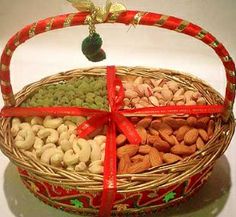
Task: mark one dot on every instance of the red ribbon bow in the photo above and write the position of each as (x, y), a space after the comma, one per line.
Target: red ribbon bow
(113, 118)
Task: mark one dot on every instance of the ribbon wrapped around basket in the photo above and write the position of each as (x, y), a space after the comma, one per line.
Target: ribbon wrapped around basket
(116, 116)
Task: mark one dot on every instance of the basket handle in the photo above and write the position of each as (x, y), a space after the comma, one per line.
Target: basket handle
(125, 17)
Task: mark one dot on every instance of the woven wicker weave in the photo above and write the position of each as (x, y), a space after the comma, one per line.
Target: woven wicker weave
(162, 177)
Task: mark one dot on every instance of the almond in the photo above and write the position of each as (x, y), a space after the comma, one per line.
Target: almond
(181, 132)
(137, 158)
(192, 121)
(134, 120)
(161, 145)
(183, 149)
(140, 166)
(191, 137)
(145, 122)
(129, 150)
(167, 138)
(203, 134)
(124, 164)
(155, 123)
(171, 158)
(174, 123)
(200, 144)
(171, 122)
(176, 141)
(153, 131)
(151, 139)
(143, 134)
(120, 139)
(155, 157)
(162, 127)
(210, 128)
(144, 149)
(202, 122)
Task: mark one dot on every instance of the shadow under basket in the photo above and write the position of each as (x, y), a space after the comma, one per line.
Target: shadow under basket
(158, 188)
(153, 190)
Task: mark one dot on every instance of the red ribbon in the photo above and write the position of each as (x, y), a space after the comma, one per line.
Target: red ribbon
(114, 118)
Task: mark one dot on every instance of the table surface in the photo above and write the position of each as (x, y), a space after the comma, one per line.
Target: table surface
(132, 46)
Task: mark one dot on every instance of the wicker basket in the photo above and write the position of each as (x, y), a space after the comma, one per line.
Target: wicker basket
(136, 193)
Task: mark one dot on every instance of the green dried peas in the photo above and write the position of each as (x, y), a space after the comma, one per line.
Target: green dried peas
(88, 91)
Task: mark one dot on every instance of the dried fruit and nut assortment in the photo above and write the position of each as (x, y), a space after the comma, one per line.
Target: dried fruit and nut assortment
(88, 91)
(164, 139)
(144, 92)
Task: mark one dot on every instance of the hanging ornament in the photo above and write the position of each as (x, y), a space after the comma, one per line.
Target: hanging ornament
(92, 45)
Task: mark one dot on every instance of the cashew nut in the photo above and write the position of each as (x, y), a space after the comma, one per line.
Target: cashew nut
(70, 158)
(96, 153)
(40, 151)
(62, 128)
(72, 138)
(71, 129)
(83, 149)
(36, 121)
(51, 134)
(65, 145)
(53, 123)
(64, 135)
(56, 159)
(81, 167)
(38, 143)
(25, 126)
(96, 167)
(30, 154)
(48, 153)
(29, 138)
(36, 128)
(103, 146)
(103, 155)
(15, 126)
(100, 139)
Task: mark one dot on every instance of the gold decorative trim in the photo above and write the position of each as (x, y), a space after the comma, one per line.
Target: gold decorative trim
(8, 99)
(17, 41)
(201, 34)
(231, 73)
(49, 25)
(232, 86)
(182, 26)
(4, 67)
(87, 19)
(138, 17)
(114, 16)
(32, 30)
(9, 52)
(68, 20)
(215, 44)
(5, 83)
(162, 20)
(226, 58)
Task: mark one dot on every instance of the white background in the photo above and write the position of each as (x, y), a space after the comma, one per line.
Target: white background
(140, 46)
